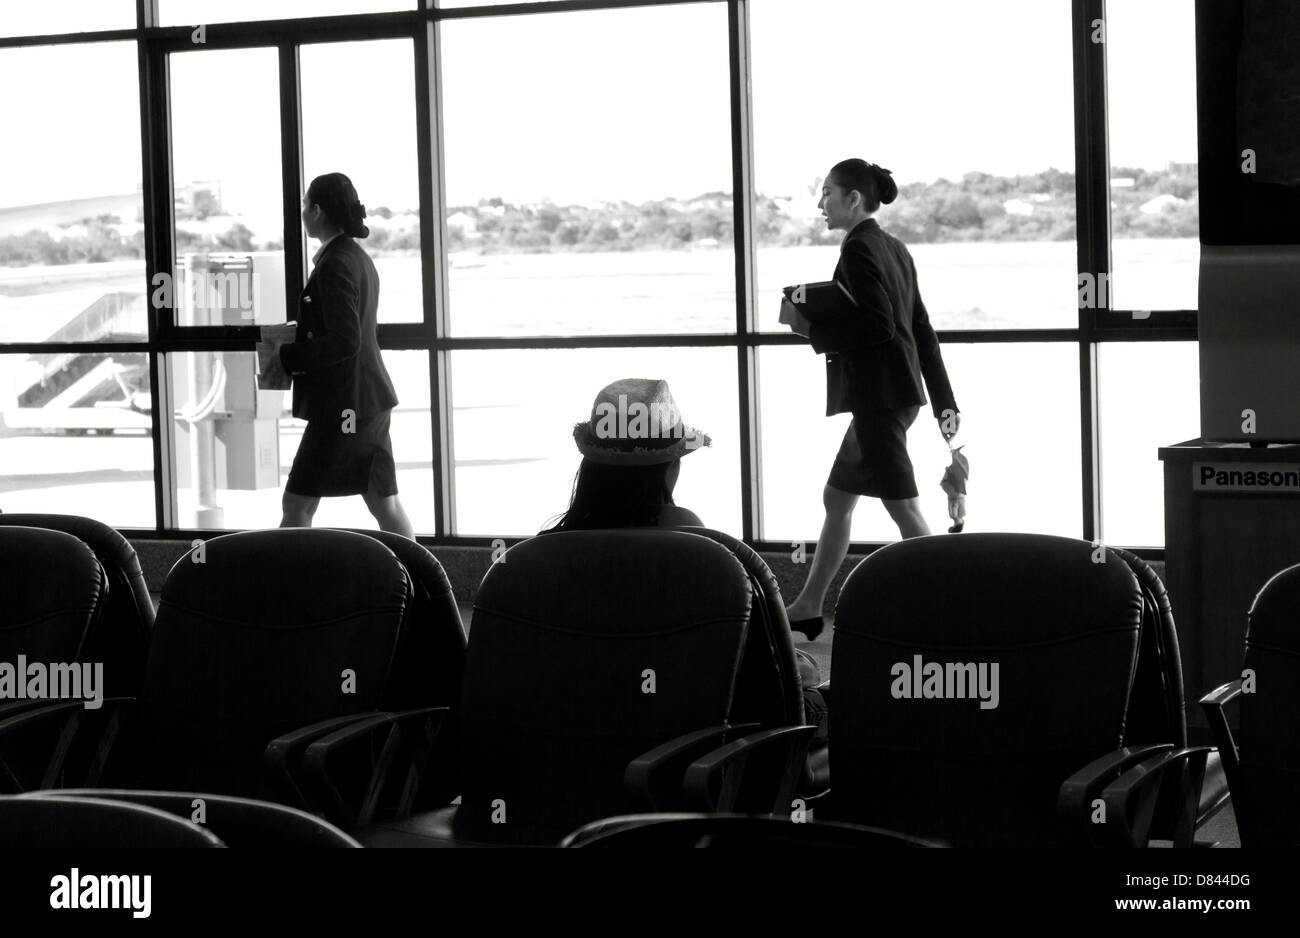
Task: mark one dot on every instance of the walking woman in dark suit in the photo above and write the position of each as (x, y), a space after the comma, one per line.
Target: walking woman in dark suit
(340, 385)
(878, 346)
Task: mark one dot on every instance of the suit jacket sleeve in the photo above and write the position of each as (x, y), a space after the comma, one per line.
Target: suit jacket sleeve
(931, 359)
(872, 322)
(339, 293)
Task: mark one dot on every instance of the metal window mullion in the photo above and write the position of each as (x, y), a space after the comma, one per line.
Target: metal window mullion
(433, 258)
(742, 184)
(159, 240)
(291, 178)
(1092, 195)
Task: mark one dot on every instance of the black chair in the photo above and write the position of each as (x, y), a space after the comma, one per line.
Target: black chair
(1157, 714)
(428, 667)
(272, 632)
(238, 822)
(926, 742)
(1263, 758)
(589, 649)
(86, 823)
(732, 831)
(53, 595)
(121, 638)
(768, 690)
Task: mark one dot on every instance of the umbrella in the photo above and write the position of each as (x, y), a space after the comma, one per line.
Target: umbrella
(954, 483)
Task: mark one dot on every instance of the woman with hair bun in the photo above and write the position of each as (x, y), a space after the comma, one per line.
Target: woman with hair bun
(340, 385)
(879, 348)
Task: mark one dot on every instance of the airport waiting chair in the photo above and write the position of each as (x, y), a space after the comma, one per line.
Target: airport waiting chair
(428, 667)
(238, 822)
(1262, 758)
(981, 688)
(53, 594)
(589, 649)
(1157, 714)
(121, 638)
(262, 634)
(768, 689)
(732, 831)
(88, 823)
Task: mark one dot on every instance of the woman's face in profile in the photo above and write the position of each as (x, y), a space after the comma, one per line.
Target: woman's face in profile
(310, 217)
(834, 205)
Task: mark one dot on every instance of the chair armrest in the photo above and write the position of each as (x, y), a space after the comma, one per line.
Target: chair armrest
(1212, 705)
(40, 742)
(1074, 801)
(727, 766)
(284, 754)
(372, 765)
(1131, 799)
(653, 780)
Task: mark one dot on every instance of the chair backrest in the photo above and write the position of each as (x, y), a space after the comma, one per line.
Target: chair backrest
(734, 831)
(1268, 741)
(83, 823)
(271, 631)
(121, 638)
(238, 822)
(52, 592)
(768, 689)
(430, 659)
(972, 676)
(588, 649)
(1157, 712)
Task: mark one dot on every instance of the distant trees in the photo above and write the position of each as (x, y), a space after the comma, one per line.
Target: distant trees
(978, 207)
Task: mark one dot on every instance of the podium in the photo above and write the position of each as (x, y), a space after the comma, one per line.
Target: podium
(1232, 520)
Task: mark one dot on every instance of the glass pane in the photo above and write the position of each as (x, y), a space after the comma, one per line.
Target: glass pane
(1154, 215)
(513, 420)
(1149, 399)
(1023, 448)
(22, 18)
(226, 171)
(193, 12)
(375, 79)
(976, 121)
(75, 436)
(235, 444)
(71, 214)
(596, 198)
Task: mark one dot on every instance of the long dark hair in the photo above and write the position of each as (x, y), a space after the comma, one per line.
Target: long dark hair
(618, 496)
(874, 182)
(338, 199)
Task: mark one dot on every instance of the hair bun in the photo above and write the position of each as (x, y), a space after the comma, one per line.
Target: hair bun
(888, 189)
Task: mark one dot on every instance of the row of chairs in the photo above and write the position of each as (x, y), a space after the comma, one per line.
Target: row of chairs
(611, 672)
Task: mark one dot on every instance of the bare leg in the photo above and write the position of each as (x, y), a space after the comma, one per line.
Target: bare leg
(298, 510)
(906, 513)
(832, 548)
(390, 514)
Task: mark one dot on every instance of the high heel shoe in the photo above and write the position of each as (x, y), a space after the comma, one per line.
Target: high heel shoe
(810, 627)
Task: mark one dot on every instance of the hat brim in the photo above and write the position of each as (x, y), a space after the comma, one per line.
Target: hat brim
(601, 451)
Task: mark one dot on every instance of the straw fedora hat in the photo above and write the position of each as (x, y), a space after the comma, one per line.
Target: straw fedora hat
(635, 422)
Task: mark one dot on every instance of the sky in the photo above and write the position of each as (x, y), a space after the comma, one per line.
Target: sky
(624, 104)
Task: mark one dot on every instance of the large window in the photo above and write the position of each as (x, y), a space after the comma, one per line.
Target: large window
(970, 107)
(561, 189)
(1155, 246)
(589, 185)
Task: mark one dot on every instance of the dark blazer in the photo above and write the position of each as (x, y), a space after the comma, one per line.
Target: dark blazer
(334, 360)
(881, 346)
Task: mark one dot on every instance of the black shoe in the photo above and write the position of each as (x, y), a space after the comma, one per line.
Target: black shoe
(810, 627)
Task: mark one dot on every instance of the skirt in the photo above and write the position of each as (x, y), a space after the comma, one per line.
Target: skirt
(873, 457)
(330, 462)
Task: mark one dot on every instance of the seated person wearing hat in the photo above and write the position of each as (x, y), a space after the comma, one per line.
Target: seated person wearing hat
(632, 449)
